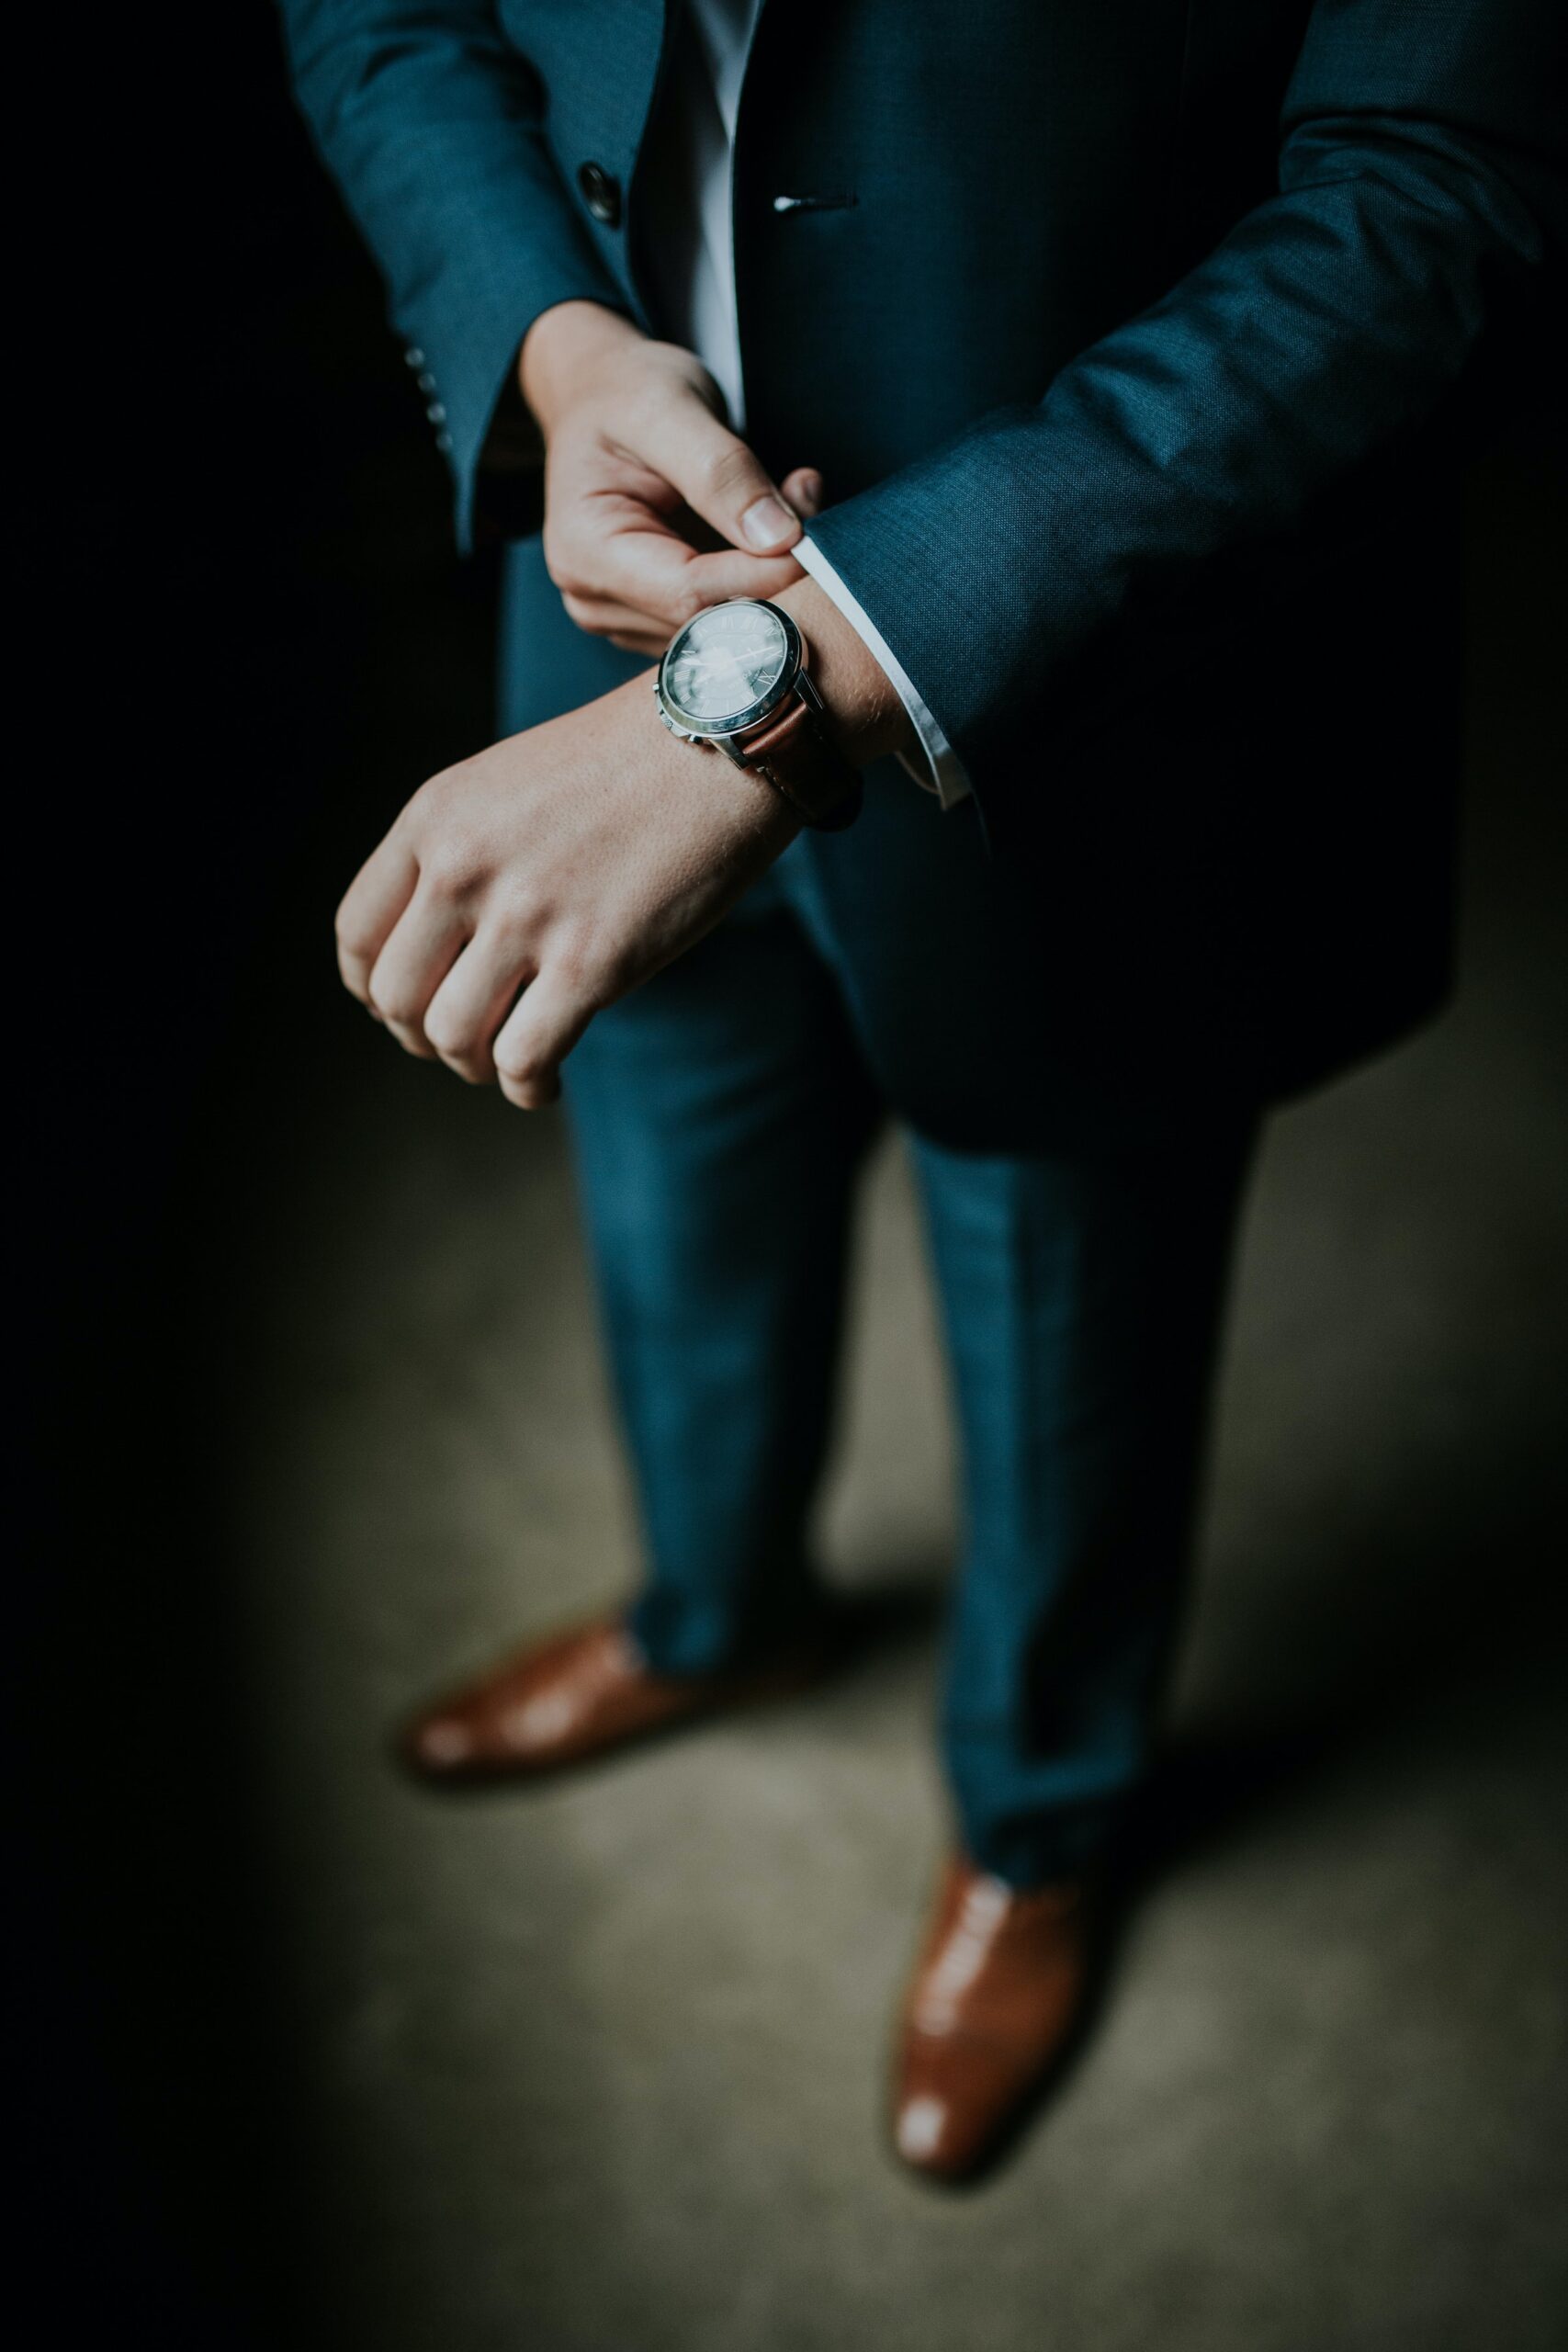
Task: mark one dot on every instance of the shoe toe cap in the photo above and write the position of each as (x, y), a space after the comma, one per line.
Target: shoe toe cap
(440, 1743)
(920, 2128)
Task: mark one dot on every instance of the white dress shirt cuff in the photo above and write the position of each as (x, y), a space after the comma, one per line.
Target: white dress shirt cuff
(939, 770)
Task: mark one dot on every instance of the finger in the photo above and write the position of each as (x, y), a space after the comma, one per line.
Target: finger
(712, 579)
(607, 617)
(657, 576)
(423, 944)
(472, 1001)
(551, 1015)
(371, 905)
(802, 489)
(718, 477)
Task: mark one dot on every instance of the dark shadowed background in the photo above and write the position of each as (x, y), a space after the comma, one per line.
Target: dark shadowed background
(316, 1421)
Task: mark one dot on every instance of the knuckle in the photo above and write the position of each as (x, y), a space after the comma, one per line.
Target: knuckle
(446, 1032)
(571, 955)
(425, 823)
(354, 940)
(560, 563)
(432, 797)
(450, 866)
(581, 965)
(517, 912)
(731, 470)
(519, 1063)
(531, 1095)
(396, 1009)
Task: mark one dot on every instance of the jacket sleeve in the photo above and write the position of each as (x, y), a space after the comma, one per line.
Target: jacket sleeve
(1169, 473)
(430, 124)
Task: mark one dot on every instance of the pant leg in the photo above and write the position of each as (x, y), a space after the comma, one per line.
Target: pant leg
(1081, 1295)
(719, 1114)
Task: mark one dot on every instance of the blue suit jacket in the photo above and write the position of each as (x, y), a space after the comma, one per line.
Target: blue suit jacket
(1131, 338)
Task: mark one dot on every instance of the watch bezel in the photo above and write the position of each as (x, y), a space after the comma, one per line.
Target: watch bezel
(709, 731)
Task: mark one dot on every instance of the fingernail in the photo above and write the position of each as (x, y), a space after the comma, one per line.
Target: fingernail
(766, 522)
(811, 493)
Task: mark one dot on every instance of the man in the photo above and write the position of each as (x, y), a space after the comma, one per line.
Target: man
(1112, 356)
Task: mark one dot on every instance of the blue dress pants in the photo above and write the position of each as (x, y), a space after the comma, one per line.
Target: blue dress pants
(720, 1115)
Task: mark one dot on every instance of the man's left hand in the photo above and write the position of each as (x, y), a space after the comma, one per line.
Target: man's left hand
(568, 864)
(522, 890)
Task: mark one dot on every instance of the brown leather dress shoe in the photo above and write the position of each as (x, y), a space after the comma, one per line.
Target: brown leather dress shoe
(997, 1990)
(574, 1696)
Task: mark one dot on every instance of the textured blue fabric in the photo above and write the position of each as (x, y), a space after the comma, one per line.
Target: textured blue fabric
(1080, 1291)
(720, 1115)
(1179, 464)
(433, 123)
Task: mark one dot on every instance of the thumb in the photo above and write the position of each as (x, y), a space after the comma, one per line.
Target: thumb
(802, 489)
(719, 479)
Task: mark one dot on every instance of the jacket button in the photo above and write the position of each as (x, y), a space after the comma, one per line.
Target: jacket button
(601, 193)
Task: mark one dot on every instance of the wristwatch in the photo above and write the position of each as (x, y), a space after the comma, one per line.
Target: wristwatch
(736, 675)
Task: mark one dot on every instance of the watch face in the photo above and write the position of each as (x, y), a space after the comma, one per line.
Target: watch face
(725, 663)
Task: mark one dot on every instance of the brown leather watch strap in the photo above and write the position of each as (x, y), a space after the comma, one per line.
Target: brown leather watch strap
(800, 759)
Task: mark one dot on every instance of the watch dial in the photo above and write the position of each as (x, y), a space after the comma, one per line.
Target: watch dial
(725, 660)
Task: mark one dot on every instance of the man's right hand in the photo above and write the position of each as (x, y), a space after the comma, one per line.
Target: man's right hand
(653, 508)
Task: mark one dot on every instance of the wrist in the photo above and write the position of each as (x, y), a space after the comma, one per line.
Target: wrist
(567, 349)
(741, 677)
(868, 720)
(751, 803)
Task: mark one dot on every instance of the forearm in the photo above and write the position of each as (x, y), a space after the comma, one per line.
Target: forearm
(432, 125)
(1180, 472)
(869, 720)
